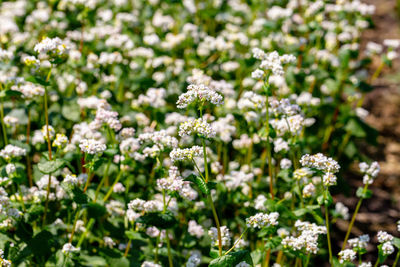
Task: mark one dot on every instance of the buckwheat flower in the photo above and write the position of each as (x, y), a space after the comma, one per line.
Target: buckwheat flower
(285, 163)
(301, 173)
(257, 74)
(107, 117)
(320, 162)
(341, 209)
(108, 242)
(200, 93)
(11, 151)
(308, 238)
(308, 190)
(195, 229)
(129, 145)
(347, 255)
(52, 132)
(69, 248)
(225, 236)
(197, 126)
(32, 61)
(92, 146)
(29, 90)
(392, 43)
(280, 145)
(10, 168)
(194, 260)
(3, 261)
(261, 220)
(387, 248)
(329, 179)
(127, 132)
(366, 264)
(242, 264)
(119, 188)
(398, 226)
(272, 61)
(51, 46)
(180, 154)
(71, 179)
(60, 141)
(384, 237)
(282, 232)
(370, 171)
(10, 121)
(360, 242)
(150, 264)
(259, 202)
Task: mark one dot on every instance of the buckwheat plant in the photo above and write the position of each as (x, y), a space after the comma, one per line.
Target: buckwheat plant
(188, 133)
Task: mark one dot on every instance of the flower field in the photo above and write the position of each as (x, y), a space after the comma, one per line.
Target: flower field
(189, 133)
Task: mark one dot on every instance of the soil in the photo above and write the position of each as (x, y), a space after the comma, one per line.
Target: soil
(382, 211)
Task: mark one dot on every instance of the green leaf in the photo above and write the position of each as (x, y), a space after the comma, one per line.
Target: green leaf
(48, 167)
(9, 93)
(160, 220)
(214, 253)
(78, 196)
(396, 242)
(199, 182)
(361, 194)
(355, 128)
(232, 259)
(71, 112)
(134, 235)
(95, 210)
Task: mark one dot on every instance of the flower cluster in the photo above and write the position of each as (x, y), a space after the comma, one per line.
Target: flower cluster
(261, 220)
(201, 93)
(198, 126)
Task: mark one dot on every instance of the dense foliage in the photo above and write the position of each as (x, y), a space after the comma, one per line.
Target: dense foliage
(184, 133)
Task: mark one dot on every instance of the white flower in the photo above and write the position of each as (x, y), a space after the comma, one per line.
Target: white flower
(308, 190)
(384, 237)
(195, 229)
(69, 248)
(201, 93)
(199, 126)
(347, 255)
(180, 154)
(320, 162)
(225, 236)
(92, 146)
(11, 151)
(387, 248)
(242, 264)
(261, 220)
(341, 209)
(53, 46)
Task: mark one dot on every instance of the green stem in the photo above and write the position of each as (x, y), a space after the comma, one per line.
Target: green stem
(46, 114)
(300, 194)
(237, 241)
(74, 226)
(112, 186)
(307, 260)
(46, 205)
(328, 234)
(167, 232)
(88, 227)
(205, 159)
(3, 126)
(217, 224)
(169, 249)
(397, 259)
(102, 180)
(353, 218)
(269, 152)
